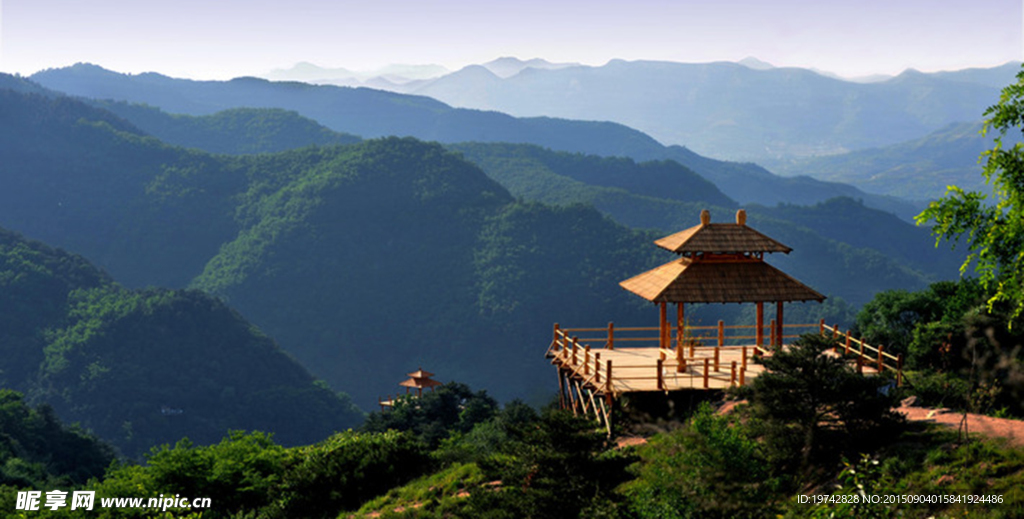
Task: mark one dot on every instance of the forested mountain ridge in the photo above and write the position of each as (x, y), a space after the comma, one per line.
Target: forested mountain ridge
(364, 260)
(874, 246)
(375, 256)
(85, 180)
(141, 368)
(236, 131)
(372, 113)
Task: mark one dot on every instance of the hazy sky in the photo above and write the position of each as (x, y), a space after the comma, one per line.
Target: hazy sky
(227, 38)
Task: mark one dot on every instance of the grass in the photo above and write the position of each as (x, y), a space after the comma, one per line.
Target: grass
(927, 461)
(429, 496)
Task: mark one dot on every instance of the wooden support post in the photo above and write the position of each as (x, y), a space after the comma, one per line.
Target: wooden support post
(706, 374)
(693, 346)
(554, 339)
(744, 358)
(881, 366)
(732, 375)
(611, 336)
(760, 324)
(835, 330)
(608, 411)
(681, 367)
(586, 360)
(771, 331)
(821, 327)
(680, 325)
(899, 370)
(561, 389)
(743, 376)
(575, 344)
(661, 381)
(778, 322)
(717, 351)
(721, 333)
(572, 397)
(597, 368)
(663, 323)
(847, 342)
(860, 364)
(608, 377)
(861, 347)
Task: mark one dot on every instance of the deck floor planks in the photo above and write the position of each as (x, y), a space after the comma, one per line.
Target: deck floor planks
(635, 369)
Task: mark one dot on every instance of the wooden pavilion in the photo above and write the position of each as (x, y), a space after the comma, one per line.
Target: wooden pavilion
(718, 263)
(418, 380)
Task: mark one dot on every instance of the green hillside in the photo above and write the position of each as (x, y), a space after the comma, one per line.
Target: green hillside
(141, 368)
(526, 170)
(876, 249)
(82, 179)
(338, 252)
(368, 260)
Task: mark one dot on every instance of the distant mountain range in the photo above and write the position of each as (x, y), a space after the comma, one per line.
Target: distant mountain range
(872, 132)
(733, 111)
(749, 110)
(372, 113)
(919, 168)
(399, 77)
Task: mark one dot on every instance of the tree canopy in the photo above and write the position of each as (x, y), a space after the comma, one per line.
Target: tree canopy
(994, 232)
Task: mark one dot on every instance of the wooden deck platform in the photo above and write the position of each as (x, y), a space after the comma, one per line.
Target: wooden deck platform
(596, 369)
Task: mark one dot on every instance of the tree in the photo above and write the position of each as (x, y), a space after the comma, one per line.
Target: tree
(812, 404)
(432, 417)
(559, 466)
(711, 468)
(994, 233)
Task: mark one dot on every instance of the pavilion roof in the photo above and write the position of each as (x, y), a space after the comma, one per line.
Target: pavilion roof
(419, 382)
(731, 280)
(720, 238)
(419, 373)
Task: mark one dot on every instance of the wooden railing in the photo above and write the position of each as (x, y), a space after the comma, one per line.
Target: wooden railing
(864, 353)
(689, 336)
(579, 350)
(586, 364)
(582, 354)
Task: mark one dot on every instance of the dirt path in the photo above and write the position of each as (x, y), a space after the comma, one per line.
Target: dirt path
(1012, 430)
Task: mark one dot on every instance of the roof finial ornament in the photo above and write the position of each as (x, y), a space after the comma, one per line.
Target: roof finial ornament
(741, 217)
(705, 217)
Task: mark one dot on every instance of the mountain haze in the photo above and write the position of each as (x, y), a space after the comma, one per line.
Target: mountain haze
(730, 110)
(372, 113)
(920, 168)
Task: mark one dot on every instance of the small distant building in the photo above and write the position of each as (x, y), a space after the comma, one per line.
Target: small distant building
(418, 380)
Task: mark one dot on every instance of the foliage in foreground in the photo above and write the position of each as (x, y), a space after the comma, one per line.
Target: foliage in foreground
(249, 475)
(994, 233)
(711, 468)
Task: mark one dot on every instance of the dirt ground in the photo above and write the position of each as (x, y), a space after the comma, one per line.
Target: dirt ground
(1012, 430)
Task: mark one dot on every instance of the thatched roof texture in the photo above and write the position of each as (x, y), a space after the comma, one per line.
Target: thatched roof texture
(720, 263)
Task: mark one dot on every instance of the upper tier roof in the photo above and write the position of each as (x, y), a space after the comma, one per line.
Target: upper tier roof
(720, 238)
